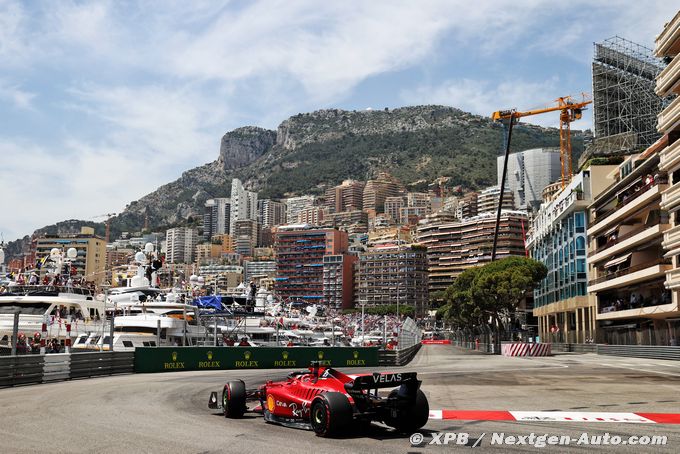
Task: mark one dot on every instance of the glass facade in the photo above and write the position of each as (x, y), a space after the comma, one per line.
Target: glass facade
(563, 251)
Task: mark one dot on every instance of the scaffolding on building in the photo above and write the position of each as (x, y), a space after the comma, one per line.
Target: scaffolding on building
(625, 106)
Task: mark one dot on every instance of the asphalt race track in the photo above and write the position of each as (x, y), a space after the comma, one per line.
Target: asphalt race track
(167, 413)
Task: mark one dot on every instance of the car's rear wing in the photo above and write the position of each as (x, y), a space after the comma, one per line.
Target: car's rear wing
(378, 380)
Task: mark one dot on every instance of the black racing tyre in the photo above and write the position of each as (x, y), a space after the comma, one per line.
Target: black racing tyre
(411, 418)
(234, 399)
(330, 414)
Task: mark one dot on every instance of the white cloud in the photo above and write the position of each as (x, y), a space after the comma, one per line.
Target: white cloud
(485, 97)
(16, 95)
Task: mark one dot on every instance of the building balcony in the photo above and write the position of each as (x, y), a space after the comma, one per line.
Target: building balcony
(640, 235)
(669, 118)
(668, 41)
(668, 80)
(631, 275)
(628, 206)
(670, 198)
(673, 279)
(658, 311)
(671, 238)
(670, 156)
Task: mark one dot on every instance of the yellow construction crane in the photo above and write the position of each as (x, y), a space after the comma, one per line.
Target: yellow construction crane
(570, 110)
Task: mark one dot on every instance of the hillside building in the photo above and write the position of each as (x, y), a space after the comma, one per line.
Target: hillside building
(180, 244)
(271, 213)
(347, 196)
(487, 200)
(243, 204)
(217, 217)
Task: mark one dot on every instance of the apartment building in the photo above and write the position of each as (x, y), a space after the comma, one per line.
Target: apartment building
(394, 275)
(299, 252)
(562, 306)
(347, 196)
(181, 245)
(668, 84)
(90, 263)
(271, 213)
(487, 200)
(338, 280)
(627, 262)
(452, 247)
(295, 205)
(378, 189)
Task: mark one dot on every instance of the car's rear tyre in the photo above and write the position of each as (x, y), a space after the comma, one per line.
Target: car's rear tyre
(330, 414)
(410, 418)
(234, 399)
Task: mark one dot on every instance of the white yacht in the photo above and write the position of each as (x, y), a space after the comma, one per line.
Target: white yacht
(54, 306)
(137, 325)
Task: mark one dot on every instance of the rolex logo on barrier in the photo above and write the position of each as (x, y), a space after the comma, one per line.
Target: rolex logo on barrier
(210, 364)
(284, 362)
(174, 364)
(246, 362)
(356, 361)
(320, 355)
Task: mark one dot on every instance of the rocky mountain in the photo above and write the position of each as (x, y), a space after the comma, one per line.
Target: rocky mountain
(311, 151)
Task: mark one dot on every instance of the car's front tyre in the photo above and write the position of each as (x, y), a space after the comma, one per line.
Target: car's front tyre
(234, 399)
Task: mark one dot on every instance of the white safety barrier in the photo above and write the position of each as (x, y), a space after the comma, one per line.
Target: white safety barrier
(524, 349)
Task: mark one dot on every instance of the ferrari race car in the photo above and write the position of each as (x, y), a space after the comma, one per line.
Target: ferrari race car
(329, 402)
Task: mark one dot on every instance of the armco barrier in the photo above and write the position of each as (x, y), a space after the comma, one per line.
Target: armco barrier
(173, 359)
(641, 351)
(397, 357)
(20, 370)
(32, 369)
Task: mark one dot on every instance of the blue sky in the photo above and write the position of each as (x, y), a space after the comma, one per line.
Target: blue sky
(103, 101)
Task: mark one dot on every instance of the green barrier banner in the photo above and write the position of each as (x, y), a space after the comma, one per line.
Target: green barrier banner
(173, 359)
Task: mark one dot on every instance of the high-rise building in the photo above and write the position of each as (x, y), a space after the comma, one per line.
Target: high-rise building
(181, 245)
(299, 260)
(347, 196)
(314, 216)
(207, 252)
(394, 275)
(392, 207)
(452, 247)
(243, 204)
(338, 280)
(271, 213)
(529, 172)
(487, 200)
(349, 221)
(557, 237)
(467, 206)
(90, 263)
(255, 270)
(378, 189)
(245, 236)
(295, 205)
(216, 218)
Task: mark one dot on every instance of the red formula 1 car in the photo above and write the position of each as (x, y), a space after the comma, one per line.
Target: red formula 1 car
(328, 401)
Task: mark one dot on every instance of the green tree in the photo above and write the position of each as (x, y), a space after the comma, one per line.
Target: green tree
(483, 295)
